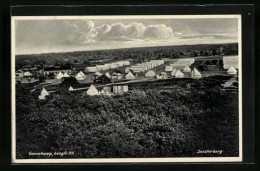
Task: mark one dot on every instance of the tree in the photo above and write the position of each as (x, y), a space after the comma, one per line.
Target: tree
(103, 79)
(69, 81)
(76, 61)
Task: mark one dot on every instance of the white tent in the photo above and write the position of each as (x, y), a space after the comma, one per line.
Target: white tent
(97, 74)
(27, 74)
(79, 77)
(92, 91)
(82, 74)
(66, 75)
(129, 76)
(179, 74)
(168, 68)
(108, 75)
(105, 91)
(186, 69)
(71, 89)
(150, 73)
(195, 73)
(173, 72)
(59, 76)
(232, 70)
(43, 94)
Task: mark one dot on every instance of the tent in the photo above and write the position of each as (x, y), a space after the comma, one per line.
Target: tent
(108, 75)
(79, 77)
(97, 74)
(105, 91)
(92, 91)
(232, 70)
(168, 68)
(179, 74)
(129, 76)
(43, 94)
(195, 73)
(71, 89)
(186, 69)
(27, 74)
(173, 72)
(59, 76)
(66, 75)
(82, 74)
(150, 73)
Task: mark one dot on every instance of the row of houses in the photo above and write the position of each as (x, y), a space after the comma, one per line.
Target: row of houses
(145, 66)
(107, 66)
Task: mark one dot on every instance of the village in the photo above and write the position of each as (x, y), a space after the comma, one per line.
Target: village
(113, 78)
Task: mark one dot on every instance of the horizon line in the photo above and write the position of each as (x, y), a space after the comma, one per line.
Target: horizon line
(135, 47)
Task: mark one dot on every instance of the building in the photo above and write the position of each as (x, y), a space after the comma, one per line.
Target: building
(55, 70)
(19, 73)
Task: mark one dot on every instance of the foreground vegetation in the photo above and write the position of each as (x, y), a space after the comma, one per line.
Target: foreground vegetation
(166, 119)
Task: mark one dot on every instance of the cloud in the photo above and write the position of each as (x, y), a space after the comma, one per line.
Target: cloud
(158, 31)
(119, 31)
(81, 32)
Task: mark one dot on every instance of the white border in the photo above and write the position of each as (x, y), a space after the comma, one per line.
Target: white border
(124, 160)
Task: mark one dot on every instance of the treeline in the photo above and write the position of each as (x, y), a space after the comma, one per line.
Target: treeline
(137, 54)
(145, 122)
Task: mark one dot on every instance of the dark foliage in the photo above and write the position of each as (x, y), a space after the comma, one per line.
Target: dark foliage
(67, 81)
(167, 121)
(103, 79)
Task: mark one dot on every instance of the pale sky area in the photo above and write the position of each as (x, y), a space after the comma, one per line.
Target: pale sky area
(43, 36)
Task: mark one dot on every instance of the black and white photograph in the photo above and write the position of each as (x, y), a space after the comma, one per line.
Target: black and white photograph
(126, 88)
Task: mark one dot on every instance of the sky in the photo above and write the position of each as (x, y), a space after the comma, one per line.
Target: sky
(65, 35)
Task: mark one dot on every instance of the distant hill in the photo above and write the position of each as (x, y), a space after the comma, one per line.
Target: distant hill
(139, 54)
